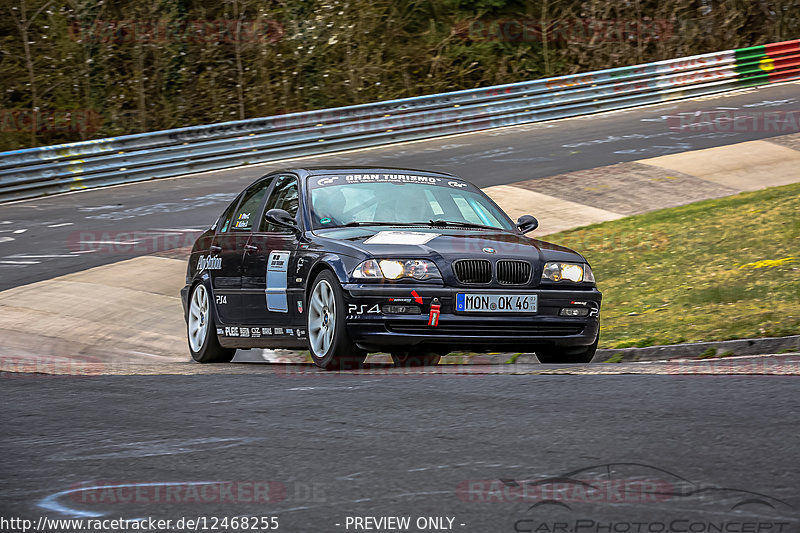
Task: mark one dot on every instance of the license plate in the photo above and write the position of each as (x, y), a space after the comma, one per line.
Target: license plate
(496, 303)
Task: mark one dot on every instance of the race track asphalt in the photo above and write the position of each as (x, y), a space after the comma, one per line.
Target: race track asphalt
(322, 447)
(534, 452)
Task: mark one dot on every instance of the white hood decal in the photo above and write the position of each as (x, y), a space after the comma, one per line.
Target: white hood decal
(401, 237)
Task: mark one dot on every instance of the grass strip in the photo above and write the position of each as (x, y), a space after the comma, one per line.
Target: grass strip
(714, 270)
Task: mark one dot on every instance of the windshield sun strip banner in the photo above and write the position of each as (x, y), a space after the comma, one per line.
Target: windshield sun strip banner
(346, 179)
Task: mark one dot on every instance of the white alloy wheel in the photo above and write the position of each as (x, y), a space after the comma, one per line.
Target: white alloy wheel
(198, 318)
(322, 318)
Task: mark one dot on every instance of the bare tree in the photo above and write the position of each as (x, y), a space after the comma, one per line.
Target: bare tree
(23, 23)
(237, 52)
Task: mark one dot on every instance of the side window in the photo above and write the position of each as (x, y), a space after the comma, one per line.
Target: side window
(248, 207)
(225, 219)
(284, 196)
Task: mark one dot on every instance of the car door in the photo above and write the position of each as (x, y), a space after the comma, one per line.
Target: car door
(270, 262)
(227, 250)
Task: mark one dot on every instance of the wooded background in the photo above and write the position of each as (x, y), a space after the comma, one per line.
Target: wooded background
(81, 69)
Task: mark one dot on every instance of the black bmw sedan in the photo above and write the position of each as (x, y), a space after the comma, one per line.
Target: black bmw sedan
(346, 261)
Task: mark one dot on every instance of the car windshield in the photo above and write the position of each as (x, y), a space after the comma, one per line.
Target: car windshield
(383, 199)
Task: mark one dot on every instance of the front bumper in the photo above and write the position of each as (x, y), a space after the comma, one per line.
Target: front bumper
(370, 328)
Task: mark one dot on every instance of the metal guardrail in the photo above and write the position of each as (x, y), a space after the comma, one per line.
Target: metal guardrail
(52, 169)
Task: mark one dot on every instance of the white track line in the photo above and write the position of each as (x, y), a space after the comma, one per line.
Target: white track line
(23, 256)
(109, 242)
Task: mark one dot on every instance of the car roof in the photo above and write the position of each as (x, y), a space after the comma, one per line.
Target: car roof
(317, 171)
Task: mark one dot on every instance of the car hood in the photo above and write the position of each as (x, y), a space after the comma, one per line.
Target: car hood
(449, 243)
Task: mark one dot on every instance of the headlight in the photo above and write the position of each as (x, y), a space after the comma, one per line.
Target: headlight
(588, 275)
(576, 272)
(420, 269)
(367, 270)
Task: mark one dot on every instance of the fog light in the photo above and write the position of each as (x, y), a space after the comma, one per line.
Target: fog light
(574, 311)
(401, 310)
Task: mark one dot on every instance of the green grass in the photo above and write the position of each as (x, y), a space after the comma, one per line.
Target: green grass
(710, 353)
(616, 358)
(713, 270)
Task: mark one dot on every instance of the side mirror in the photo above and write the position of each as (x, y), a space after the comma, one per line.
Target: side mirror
(527, 223)
(281, 217)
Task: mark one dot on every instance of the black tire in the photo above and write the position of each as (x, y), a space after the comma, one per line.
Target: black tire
(415, 358)
(583, 354)
(204, 345)
(339, 352)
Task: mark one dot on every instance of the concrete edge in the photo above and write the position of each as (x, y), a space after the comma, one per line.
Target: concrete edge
(760, 346)
(693, 350)
(504, 363)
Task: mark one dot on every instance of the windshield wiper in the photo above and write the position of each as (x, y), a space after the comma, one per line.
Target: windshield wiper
(440, 222)
(355, 223)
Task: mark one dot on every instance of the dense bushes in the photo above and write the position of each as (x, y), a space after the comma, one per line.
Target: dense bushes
(80, 69)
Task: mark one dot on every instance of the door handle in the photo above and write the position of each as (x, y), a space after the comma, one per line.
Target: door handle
(249, 248)
(215, 249)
